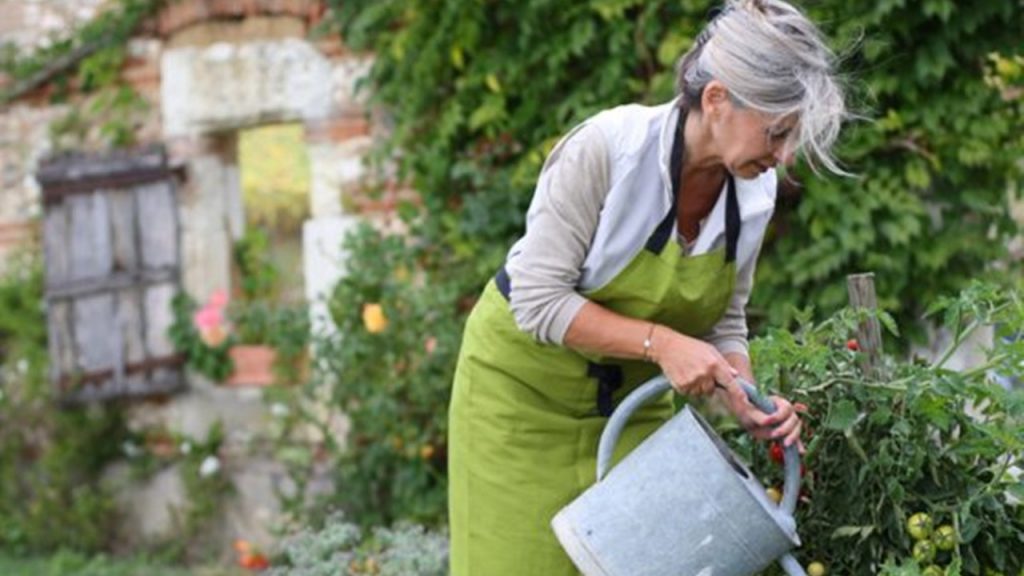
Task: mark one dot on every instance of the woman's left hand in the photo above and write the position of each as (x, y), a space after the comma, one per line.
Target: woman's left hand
(783, 424)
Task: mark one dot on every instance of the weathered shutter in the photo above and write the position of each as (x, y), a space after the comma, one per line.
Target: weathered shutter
(112, 267)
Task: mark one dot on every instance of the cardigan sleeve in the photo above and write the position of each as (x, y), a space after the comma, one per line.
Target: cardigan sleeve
(545, 267)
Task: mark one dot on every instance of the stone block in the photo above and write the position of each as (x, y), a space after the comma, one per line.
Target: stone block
(227, 86)
(147, 508)
(346, 72)
(324, 263)
(333, 169)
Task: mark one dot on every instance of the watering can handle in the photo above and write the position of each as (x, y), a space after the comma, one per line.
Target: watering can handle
(657, 386)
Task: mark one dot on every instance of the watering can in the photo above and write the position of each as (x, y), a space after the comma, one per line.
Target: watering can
(680, 504)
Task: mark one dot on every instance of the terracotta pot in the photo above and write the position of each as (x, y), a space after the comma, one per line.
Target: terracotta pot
(254, 366)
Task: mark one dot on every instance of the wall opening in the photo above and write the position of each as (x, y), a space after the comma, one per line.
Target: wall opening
(274, 170)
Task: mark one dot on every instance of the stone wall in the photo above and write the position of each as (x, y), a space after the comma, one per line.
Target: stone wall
(208, 69)
(28, 24)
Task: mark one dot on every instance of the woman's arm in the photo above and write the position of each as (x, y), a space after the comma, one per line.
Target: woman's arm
(545, 265)
(692, 366)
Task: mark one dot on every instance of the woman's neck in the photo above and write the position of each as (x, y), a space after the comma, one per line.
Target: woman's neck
(700, 157)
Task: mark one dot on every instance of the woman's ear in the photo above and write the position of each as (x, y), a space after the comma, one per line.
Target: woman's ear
(714, 98)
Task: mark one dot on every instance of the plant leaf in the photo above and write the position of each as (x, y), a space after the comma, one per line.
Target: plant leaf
(843, 416)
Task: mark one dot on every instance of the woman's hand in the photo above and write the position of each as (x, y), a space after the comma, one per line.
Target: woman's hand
(692, 366)
(783, 424)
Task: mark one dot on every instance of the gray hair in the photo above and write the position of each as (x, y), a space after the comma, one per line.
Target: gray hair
(773, 59)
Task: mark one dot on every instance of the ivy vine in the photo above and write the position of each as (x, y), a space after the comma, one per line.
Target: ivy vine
(480, 91)
(88, 61)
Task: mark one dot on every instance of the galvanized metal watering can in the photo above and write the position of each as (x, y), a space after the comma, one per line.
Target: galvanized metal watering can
(680, 504)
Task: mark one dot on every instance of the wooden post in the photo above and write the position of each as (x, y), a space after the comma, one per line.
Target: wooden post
(869, 335)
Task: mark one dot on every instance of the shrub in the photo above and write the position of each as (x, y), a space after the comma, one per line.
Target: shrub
(50, 459)
(343, 548)
(916, 438)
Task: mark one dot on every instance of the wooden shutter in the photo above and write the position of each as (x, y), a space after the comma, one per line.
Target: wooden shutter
(112, 264)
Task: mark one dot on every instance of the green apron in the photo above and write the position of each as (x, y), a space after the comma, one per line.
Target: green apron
(525, 417)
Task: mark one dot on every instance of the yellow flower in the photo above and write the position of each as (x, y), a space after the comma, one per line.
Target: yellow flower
(374, 318)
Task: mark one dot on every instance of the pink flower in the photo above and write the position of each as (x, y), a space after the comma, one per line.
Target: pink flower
(219, 300)
(207, 318)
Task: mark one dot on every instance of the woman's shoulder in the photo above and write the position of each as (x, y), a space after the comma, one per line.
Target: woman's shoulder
(631, 115)
(632, 127)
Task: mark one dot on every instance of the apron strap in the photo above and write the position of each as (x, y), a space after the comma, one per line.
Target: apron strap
(659, 238)
(609, 379)
(503, 282)
(663, 232)
(732, 221)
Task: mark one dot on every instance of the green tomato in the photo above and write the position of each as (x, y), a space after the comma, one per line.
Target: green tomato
(924, 551)
(816, 569)
(945, 537)
(933, 570)
(920, 526)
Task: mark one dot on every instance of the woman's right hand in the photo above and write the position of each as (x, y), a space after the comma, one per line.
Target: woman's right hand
(692, 366)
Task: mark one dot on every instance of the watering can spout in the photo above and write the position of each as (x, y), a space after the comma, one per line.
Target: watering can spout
(791, 566)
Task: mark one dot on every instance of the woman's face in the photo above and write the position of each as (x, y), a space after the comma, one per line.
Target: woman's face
(747, 141)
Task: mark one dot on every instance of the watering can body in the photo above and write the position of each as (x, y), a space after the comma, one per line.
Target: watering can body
(680, 504)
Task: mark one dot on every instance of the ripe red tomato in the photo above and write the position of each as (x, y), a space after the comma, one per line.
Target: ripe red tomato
(776, 453)
(852, 345)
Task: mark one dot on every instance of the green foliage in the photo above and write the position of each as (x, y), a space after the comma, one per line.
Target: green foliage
(210, 361)
(282, 327)
(206, 491)
(111, 28)
(50, 459)
(479, 93)
(65, 562)
(392, 385)
(929, 211)
(340, 547)
(916, 438)
(112, 110)
(259, 275)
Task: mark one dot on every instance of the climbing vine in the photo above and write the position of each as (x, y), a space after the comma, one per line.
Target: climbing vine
(87, 61)
(480, 91)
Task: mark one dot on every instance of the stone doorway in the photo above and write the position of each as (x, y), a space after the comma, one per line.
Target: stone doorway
(220, 79)
(273, 164)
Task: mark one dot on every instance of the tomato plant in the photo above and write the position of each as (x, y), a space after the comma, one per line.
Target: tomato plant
(907, 447)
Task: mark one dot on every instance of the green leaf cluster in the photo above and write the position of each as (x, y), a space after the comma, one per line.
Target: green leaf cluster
(89, 59)
(479, 92)
(937, 166)
(913, 438)
(51, 460)
(390, 381)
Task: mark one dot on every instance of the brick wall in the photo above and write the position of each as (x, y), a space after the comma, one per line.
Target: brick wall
(339, 137)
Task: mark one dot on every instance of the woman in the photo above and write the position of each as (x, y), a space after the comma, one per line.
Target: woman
(638, 258)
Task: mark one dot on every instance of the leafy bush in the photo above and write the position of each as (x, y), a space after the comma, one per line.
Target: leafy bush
(388, 368)
(259, 276)
(210, 359)
(286, 328)
(480, 91)
(50, 459)
(343, 548)
(917, 438)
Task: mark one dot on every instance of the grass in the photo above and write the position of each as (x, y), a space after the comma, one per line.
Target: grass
(72, 564)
